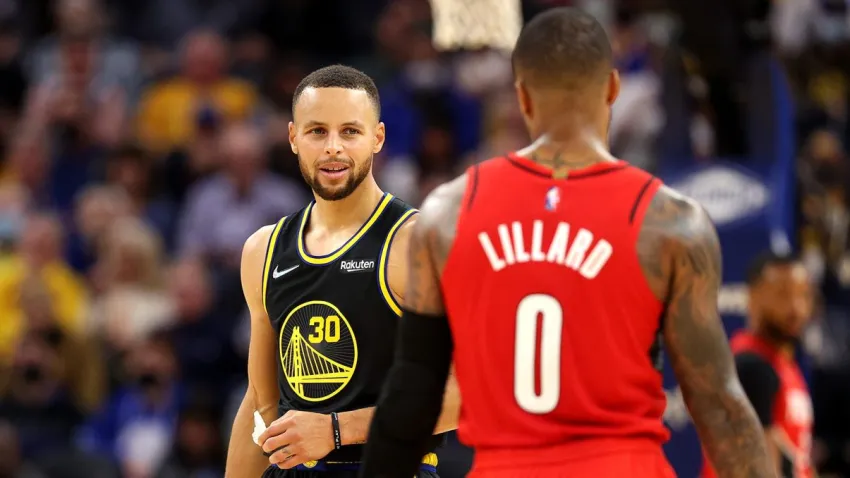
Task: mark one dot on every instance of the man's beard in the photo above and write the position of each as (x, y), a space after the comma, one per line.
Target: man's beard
(777, 335)
(354, 179)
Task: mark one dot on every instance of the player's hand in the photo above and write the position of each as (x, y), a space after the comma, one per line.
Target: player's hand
(298, 437)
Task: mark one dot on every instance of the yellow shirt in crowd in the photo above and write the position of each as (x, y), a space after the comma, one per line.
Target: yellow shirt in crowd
(68, 300)
(168, 112)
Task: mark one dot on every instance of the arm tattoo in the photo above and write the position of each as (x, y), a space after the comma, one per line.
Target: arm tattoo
(430, 243)
(422, 293)
(680, 256)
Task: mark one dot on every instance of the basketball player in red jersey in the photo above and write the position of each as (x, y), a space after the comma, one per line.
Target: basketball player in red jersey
(780, 304)
(559, 272)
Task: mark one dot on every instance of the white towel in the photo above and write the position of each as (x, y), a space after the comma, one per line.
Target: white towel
(259, 427)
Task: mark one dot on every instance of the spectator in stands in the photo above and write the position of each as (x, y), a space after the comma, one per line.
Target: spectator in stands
(97, 207)
(40, 253)
(137, 425)
(222, 211)
(14, 202)
(85, 379)
(170, 112)
(423, 93)
(130, 168)
(13, 83)
(825, 175)
(636, 116)
(203, 332)
(28, 165)
(160, 24)
(129, 272)
(83, 79)
(81, 27)
(197, 450)
(37, 401)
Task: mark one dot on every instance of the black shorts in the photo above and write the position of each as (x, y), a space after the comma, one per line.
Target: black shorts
(275, 472)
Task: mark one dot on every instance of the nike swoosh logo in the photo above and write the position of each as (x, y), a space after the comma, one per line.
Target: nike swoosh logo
(278, 274)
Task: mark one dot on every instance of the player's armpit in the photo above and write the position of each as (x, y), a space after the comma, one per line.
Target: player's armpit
(244, 457)
(679, 252)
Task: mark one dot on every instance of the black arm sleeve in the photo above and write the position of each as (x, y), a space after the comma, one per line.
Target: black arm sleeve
(760, 382)
(411, 399)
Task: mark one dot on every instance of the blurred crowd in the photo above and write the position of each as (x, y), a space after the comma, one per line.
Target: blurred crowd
(142, 141)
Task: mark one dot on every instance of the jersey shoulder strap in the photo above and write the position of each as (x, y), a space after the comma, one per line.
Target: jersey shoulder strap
(395, 216)
(270, 252)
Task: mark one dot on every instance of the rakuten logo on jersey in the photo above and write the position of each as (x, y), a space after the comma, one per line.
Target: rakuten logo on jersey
(357, 266)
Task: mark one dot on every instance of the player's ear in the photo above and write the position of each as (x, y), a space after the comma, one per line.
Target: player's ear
(524, 99)
(292, 137)
(613, 87)
(380, 136)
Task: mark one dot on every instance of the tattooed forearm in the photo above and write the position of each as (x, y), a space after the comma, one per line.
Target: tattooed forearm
(680, 256)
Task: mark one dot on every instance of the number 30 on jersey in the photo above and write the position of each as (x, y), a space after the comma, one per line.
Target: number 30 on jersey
(551, 320)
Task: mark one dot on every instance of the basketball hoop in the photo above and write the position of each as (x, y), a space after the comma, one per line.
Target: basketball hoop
(474, 24)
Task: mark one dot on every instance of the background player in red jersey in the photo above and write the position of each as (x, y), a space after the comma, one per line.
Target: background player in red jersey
(780, 305)
(554, 265)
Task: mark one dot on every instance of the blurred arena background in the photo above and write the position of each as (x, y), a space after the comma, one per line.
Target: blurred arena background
(144, 140)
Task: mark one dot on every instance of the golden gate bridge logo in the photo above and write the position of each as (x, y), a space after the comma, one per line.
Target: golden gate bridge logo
(318, 351)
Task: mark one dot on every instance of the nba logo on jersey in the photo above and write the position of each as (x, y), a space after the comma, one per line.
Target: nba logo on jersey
(553, 197)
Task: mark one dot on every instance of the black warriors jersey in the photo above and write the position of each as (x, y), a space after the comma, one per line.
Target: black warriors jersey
(334, 315)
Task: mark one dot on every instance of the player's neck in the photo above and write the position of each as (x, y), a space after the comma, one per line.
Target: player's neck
(352, 210)
(563, 151)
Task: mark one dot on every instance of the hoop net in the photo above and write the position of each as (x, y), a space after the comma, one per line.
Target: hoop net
(475, 24)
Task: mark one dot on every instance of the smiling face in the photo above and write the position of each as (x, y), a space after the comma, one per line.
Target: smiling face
(335, 134)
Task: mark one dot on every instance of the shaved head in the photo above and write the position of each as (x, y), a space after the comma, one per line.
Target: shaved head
(562, 48)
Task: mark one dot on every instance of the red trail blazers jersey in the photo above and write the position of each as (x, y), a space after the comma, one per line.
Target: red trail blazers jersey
(776, 388)
(556, 330)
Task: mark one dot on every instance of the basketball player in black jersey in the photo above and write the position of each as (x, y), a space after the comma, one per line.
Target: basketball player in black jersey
(323, 287)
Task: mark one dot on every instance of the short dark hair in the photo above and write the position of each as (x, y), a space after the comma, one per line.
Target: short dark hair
(339, 76)
(562, 46)
(766, 259)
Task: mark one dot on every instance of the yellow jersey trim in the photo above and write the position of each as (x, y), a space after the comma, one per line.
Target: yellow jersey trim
(383, 282)
(269, 255)
(327, 259)
(430, 459)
